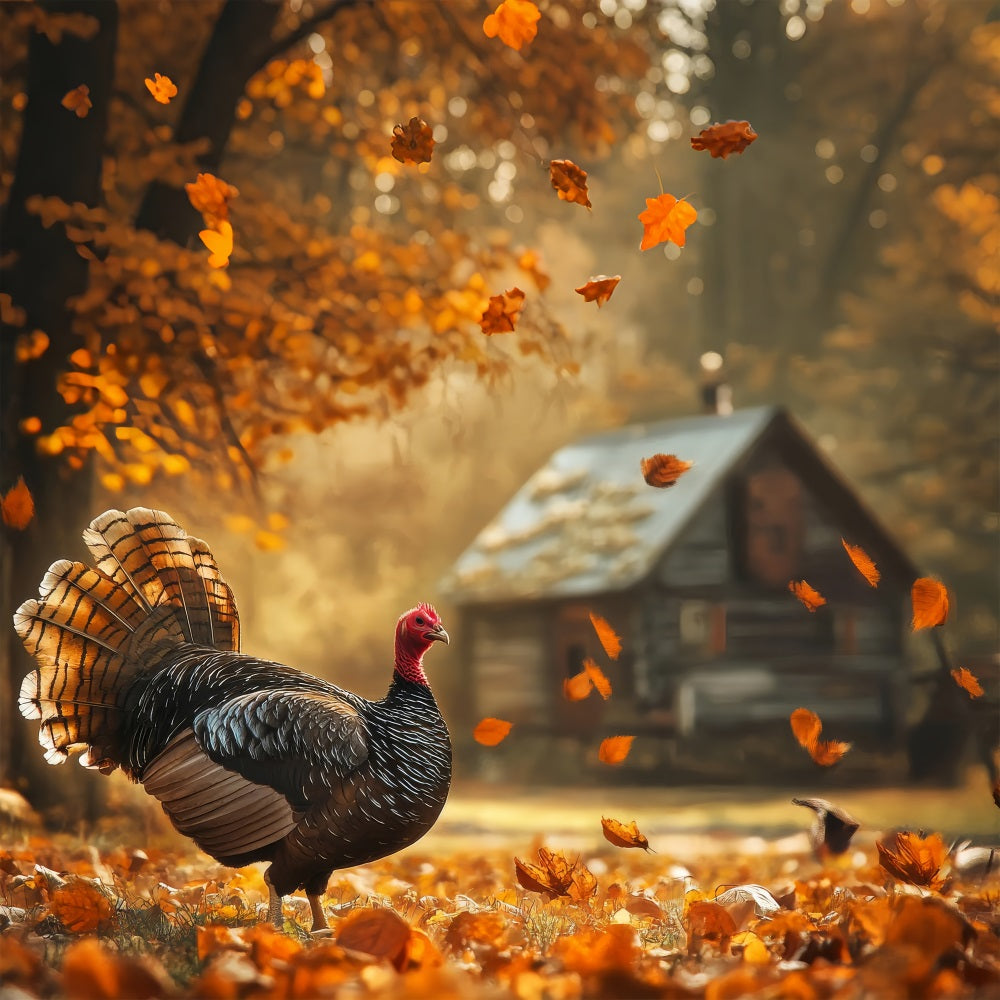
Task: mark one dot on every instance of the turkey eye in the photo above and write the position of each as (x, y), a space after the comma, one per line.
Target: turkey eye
(420, 621)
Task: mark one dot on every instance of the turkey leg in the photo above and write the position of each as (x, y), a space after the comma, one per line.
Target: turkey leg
(273, 904)
(320, 927)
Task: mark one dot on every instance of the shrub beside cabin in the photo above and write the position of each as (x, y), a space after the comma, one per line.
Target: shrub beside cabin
(694, 578)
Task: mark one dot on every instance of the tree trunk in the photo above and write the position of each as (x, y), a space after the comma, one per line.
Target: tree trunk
(60, 155)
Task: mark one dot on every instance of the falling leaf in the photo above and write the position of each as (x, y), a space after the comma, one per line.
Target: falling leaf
(620, 835)
(913, 859)
(17, 506)
(531, 264)
(413, 142)
(967, 680)
(833, 827)
(78, 100)
(379, 932)
(662, 470)
(162, 88)
(577, 687)
(811, 598)
(31, 345)
(596, 675)
(569, 181)
(556, 875)
(930, 603)
(665, 219)
(599, 289)
(723, 139)
(219, 243)
(491, 731)
(615, 749)
(80, 907)
(806, 727)
(502, 312)
(826, 753)
(514, 21)
(862, 562)
(607, 635)
(211, 195)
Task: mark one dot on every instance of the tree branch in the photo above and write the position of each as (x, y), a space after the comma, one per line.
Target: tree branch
(305, 28)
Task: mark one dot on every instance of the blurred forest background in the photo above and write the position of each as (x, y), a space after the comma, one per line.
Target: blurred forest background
(327, 412)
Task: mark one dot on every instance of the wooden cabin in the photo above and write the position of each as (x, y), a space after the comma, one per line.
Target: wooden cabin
(716, 651)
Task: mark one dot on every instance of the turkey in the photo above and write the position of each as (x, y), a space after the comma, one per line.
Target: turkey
(138, 667)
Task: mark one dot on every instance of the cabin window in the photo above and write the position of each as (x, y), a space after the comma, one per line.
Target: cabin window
(702, 627)
(774, 526)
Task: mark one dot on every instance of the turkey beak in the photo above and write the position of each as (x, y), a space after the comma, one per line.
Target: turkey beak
(438, 634)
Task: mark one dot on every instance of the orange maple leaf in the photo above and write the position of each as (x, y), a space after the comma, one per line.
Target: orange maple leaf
(515, 21)
(502, 312)
(665, 219)
(912, 858)
(491, 731)
(662, 470)
(219, 243)
(599, 289)
(608, 636)
(810, 597)
(569, 181)
(17, 506)
(930, 603)
(620, 835)
(211, 195)
(80, 907)
(806, 727)
(78, 100)
(162, 88)
(413, 142)
(556, 875)
(615, 749)
(721, 140)
(577, 687)
(967, 680)
(597, 678)
(862, 562)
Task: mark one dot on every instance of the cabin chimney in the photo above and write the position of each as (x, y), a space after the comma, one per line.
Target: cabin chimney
(716, 393)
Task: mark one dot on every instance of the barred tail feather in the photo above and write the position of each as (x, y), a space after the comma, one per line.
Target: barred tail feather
(94, 632)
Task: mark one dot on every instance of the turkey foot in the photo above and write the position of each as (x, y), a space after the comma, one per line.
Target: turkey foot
(273, 905)
(320, 927)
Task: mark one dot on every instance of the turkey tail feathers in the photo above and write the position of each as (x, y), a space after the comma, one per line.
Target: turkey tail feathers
(93, 631)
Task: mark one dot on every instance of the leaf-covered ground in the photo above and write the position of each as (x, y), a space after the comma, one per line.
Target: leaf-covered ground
(710, 915)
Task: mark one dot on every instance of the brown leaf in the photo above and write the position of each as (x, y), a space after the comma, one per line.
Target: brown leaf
(218, 937)
(707, 921)
(487, 928)
(90, 972)
(617, 833)
(413, 142)
(810, 598)
(968, 681)
(912, 858)
(662, 470)
(556, 875)
(599, 289)
(608, 637)
(832, 829)
(491, 731)
(930, 603)
(80, 907)
(862, 562)
(643, 906)
(569, 181)
(577, 687)
(615, 749)
(78, 101)
(379, 932)
(502, 312)
(17, 506)
(597, 678)
(721, 140)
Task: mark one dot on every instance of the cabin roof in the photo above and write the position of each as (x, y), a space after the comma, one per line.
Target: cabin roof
(586, 523)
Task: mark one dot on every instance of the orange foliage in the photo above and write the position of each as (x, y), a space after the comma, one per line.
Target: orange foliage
(620, 835)
(219, 243)
(17, 506)
(162, 88)
(577, 687)
(930, 603)
(491, 731)
(608, 637)
(914, 859)
(569, 181)
(806, 727)
(809, 596)
(376, 932)
(665, 219)
(502, 312)
(515, 22)
(662, 470)
(80, 907)
(211, 196)
(31, 345)
(556, 875)
(78, 101)
(968, 681)
(862, 562)
(413, 142)
(721, 140)
(615, 749)
(531, 264)
(599, 289)
(597, 678)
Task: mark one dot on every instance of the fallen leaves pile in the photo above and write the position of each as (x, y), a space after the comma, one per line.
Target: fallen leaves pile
(84, 922)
